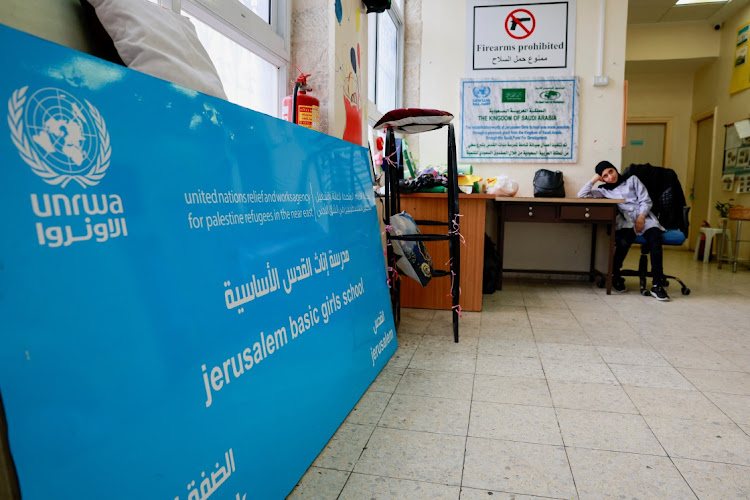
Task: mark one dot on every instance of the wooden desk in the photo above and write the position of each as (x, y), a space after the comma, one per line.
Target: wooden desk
(434, 206)
(592, 211)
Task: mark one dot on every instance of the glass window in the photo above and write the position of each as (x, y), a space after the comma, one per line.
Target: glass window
(387, 65)
(385, 59)
(248, 79)
(261, 7)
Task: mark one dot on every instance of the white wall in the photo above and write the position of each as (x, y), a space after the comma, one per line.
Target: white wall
(601, 108)
(600, 116)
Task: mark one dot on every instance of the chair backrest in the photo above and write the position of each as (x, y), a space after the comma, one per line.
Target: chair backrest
(666, 194)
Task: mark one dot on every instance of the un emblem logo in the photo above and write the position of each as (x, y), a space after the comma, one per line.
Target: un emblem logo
(61, 139)
(482, 92)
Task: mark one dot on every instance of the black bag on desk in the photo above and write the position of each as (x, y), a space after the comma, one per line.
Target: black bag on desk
(548, 184)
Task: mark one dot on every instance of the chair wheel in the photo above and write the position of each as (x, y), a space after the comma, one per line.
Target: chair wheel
(600, 283)
(685, 291)
(645, 292)
(665, 284)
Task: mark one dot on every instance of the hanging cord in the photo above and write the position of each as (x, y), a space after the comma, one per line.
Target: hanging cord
(455, 230)
(458, 309)
(390, 270)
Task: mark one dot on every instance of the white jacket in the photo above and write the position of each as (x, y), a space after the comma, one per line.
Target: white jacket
(637, 202)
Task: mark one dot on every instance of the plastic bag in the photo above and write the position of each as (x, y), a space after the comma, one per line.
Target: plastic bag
(503, 186)
(413, 259)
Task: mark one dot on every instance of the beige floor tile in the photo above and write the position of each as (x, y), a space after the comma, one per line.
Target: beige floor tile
(701, 440)
(511, 390)
(443, 360)
(509, 318)
(741, 361)
(596, 373)
(594, 321)
(705, 359)
(508, 366)
(319, 483)
(401, 357)
(419, 456)
(446, 343)
(712, 480)
(388, 379)
(502, 298)
(606, 474)
(736, 406)
(569, 352)
(523, 334)
(616, 339)
(607, 431)
(345, 447)
(673, 403)
(561, 336)
(475, 494)
(369, 409)
(528, 424)
(588, 396)
(385, 488)
(415, 321)
(632, 356)
(520, 468)
(662, 377)
(718, 381)
(500, 347)
(414, 314)
(544, 302)
(445, 329)
(726, 345)
(553, 318)
(426, 414)
(436, 384)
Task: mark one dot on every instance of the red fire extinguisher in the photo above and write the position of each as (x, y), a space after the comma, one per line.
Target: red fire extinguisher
(302, 109)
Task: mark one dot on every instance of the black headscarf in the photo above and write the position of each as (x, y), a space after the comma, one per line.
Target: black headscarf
(604, 165)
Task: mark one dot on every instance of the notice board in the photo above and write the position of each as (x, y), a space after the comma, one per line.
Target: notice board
(192, 294)
(517, 120)
(523, 38)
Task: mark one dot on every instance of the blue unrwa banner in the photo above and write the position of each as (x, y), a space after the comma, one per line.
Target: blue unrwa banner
(192, 294)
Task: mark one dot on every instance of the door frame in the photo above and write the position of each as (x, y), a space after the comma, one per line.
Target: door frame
(692, 151)
(655, 120)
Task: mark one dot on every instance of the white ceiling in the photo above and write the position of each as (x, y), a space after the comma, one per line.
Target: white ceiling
(665, 11)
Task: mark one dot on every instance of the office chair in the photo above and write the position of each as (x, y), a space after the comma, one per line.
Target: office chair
(415, 121)
(670, 208)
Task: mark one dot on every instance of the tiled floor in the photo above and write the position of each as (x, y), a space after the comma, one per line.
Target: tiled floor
(557, 390)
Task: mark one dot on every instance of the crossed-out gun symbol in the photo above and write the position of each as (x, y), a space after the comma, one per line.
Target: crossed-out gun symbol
(514, 22)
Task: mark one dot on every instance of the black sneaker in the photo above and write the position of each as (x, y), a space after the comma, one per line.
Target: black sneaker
(618, 285)
(659, 293)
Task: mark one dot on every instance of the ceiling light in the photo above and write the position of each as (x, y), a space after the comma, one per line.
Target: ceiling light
(691, 2)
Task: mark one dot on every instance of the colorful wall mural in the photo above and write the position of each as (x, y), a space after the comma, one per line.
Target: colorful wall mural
(350, 69)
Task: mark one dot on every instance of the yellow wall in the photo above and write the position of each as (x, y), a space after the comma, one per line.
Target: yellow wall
(661, 41)
(712, 90)
(665, 95)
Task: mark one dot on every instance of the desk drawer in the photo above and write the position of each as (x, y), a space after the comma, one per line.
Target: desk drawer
(586, 212)
(530, 212)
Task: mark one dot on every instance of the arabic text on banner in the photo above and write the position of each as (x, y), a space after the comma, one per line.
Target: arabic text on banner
(192, 294)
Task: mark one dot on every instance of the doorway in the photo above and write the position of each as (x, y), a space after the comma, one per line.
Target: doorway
(647, 141)
(703, 126)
